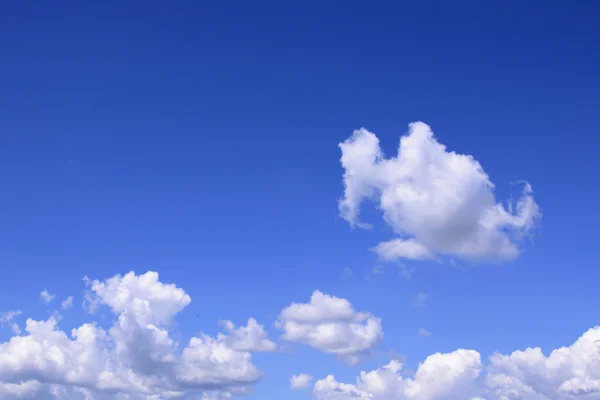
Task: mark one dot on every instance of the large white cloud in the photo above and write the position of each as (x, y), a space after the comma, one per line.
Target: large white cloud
(567, 373)
(136, 357)
(438, 202)
(331, 324)
(441, 376)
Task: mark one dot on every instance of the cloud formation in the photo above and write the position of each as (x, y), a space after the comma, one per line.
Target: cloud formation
(251, 337)
(567, 373)
(423, 332)
(136, 358)
(67, 303)
(7, 318)
(299, 382)
(438, 202)
(46, 296)
(330, 324)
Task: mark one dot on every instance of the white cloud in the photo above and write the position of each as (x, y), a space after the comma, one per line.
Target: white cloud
(567, 373)
(46, 296)
(211, 363)
(136, 358)
(403, 248)
(419, 300)
(251, 337)
(423, 332)
(67, 303)
(7, 318)
(331, 325)
(299, 382)
(26, 390)
(437, 202)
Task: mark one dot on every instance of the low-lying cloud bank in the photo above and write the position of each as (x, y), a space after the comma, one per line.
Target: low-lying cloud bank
(136, 358)
(567, 373)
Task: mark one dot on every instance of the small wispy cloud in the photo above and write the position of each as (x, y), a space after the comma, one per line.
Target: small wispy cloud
(67, 303)
(395, 355)
(15, 328)
(405, 188)
(423, 332)
(46, 296)
(419, 300)
(378, 269)
(454, 264)
(6, 318)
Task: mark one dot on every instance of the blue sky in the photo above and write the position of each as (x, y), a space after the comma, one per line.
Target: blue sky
(200, 141)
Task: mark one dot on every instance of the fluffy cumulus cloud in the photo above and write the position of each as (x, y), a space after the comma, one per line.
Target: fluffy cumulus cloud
(438, 202)
(302, 381)
(331, 324)
(567, 373)
(136, 358)
(251, 337)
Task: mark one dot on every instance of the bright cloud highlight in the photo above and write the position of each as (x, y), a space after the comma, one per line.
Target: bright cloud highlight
(136, 358)
(438, 202)
(299, 382)
(567, 373)
(330, 324)
(7, 318)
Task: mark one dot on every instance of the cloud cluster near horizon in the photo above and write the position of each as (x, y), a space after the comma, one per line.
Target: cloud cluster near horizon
(331, 324)
(137, 357)
(567, 373)
(438, 202)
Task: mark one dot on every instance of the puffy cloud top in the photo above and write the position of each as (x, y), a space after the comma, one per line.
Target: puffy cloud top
(136, 358)
(302, 381)
(438, 202)
(567, 373)
(251, 337)
(330, 324)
